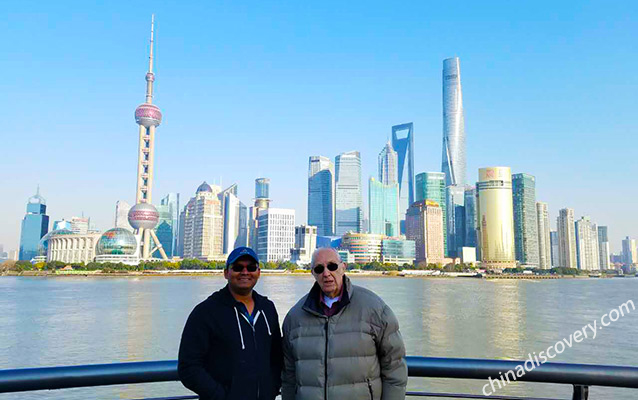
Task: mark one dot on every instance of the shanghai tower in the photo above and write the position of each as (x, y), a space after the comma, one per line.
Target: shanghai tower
(454, 162)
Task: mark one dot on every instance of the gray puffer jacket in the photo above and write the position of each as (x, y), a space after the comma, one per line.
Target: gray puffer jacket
(356, 354)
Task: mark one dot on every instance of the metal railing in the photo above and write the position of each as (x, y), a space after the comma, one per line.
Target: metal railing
(581, 376)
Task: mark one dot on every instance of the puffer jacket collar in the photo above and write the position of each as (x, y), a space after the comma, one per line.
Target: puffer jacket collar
(312, 305)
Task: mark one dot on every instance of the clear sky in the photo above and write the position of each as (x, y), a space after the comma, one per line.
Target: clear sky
(253, 88)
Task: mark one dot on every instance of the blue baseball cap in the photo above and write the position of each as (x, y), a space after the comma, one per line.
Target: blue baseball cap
(240, 252)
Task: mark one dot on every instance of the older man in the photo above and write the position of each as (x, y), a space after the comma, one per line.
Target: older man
(341, 341)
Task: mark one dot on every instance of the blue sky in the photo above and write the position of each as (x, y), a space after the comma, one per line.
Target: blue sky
(252, 89)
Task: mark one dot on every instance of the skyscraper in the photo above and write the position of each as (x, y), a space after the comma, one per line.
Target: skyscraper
(321, 194)
(553, 239)
(262, 188)
(424, 225)
(470, 217)
(431, 186)
(276, 235)
(566, 239)
(348, 204)
(204, 224)
(388, 165)
(544, 241)
(603, 248)
(383, 208)
(587, 245)
(35, 224)
(143, 216)
(235, 218)
(262, 202)
(383, 195)
(454, 162)
(403, 144)
(121, 215)
(629, 252)
(495, 218)
(525, 223)
(455, 198)
(167, 229)
(80, 225)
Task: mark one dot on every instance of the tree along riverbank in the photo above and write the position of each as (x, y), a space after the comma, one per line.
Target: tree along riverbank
(198, 267)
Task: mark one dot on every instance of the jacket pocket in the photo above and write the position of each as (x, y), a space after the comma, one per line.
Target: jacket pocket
(370, 389)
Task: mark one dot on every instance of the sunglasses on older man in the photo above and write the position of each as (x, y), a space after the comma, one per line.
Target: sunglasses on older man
(331, 267)
(240, 268)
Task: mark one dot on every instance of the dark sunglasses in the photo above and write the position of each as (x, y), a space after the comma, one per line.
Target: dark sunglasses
(240, 268)
(331, 267)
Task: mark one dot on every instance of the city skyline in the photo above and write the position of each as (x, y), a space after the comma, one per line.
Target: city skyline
(558, 185)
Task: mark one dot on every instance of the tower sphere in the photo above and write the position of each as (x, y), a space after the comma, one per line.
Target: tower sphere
(143, 215)
(116, 241)
(148, 115)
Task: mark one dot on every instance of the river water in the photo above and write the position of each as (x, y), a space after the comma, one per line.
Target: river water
(92, 320)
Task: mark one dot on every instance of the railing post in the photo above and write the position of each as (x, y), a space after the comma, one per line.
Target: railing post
(580, 392)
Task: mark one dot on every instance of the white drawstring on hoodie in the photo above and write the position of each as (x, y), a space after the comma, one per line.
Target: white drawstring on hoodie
(241, 335)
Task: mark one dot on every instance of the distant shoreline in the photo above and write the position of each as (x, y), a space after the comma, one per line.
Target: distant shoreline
(219, 272)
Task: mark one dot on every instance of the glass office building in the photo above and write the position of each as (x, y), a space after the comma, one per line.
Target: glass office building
(383, 208)
(348, 204)
(525, 223)
(454, 162)
(431, 186)
(403, 144)
(321, 194)
(35, 225)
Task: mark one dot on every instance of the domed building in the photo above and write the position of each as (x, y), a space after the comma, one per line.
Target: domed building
(43, 246)
(117, 245)
(68, 247)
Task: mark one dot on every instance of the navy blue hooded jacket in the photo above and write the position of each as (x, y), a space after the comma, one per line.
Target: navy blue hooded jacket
(223, 357)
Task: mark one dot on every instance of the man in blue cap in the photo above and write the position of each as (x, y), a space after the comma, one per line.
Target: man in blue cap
(231, 344)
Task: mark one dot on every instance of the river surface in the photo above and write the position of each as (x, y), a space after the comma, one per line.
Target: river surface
(91, 320)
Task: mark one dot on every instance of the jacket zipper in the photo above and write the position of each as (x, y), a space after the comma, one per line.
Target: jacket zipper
(325, 386)
(370, 389)
(255, 341)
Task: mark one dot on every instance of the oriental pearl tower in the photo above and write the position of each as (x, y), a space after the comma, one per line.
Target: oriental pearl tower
(143, 217)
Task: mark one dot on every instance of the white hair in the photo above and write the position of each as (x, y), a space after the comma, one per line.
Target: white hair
(312, 263)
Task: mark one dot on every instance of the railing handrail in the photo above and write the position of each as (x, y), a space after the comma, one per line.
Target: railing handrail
(28, 379)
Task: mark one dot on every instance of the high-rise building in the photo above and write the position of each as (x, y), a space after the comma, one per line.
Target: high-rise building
(276, 236)
(431, 186)
(35, 224)
(454, 163)
(348, 204)
(566, 239)
(167, 229)
(525, 223)
(544, 240)
(603, 248)
(305, 244)
(80, 225)
(587, 245)
(455, 199)
(143, 216)
(204, 225)
(188, 208)
(383, 208)
(262, 202)
(121, 215)
(388, 165)
(262, 188)
(403, 144)
(553, 239)
(470, 217)
(383, 196)
(321, 194)
(629, 254)
(235, 219)
(495, 218)
(424, 225)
